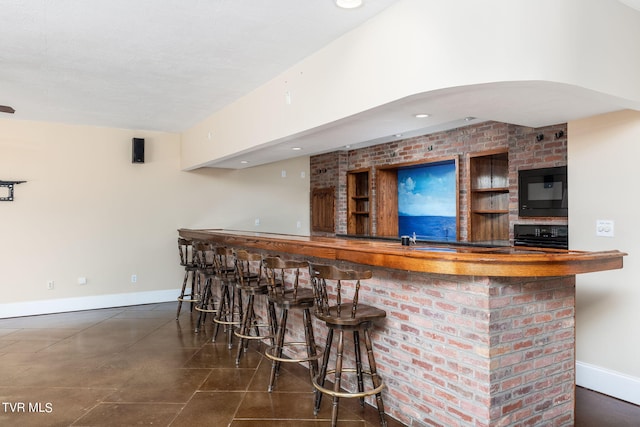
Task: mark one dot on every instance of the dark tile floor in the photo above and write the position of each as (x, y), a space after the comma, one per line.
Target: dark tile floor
(138, 366)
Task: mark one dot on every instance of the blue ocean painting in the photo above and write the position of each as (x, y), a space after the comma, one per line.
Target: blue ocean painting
(438, 228)
(427, 203)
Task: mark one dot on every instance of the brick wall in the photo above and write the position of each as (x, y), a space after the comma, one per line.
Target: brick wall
(525, 152)
(474, 351)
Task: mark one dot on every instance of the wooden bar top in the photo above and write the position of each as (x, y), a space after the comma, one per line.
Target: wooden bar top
(425, 258)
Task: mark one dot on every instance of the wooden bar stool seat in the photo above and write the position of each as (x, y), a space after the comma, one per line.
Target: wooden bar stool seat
(285, 294)
(251, 282)
(341, 316)
(187, 260)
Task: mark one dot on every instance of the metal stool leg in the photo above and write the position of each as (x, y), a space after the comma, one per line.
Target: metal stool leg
(223, 306)
(187, 273)
(311, 343)
(323, 371)
(195, 290)
(279, 343)
(245, 325)
(359, 376)
(236, 302)
(374, 376)
(181, 297)
(338, 378)
(272, 321)
(204, 301)
(225, 313)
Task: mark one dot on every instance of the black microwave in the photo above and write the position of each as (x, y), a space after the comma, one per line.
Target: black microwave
(543, 192)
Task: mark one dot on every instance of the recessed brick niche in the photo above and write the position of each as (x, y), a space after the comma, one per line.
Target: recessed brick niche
(525, 152)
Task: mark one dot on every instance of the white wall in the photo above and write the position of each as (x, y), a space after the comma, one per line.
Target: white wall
(87, 211)
(603, 155)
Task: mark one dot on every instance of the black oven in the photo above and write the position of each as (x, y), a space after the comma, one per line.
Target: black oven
(541, 236)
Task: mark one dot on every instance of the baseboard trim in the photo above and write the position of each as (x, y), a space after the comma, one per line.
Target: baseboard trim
(62, 305)
(611, 383)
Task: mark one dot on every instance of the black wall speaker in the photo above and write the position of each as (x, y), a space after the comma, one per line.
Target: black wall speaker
(137, 150)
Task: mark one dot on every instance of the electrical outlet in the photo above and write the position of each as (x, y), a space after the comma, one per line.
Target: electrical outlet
(257, 222)
(604, 228)
(50, 285)
(82, 280)
(134, 278)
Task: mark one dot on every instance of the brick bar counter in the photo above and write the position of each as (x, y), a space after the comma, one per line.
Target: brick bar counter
(474, 336)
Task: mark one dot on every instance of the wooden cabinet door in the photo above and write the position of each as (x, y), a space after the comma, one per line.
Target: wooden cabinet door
(323, 210)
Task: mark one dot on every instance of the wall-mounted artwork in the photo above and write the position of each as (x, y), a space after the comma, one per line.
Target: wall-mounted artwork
(428, 201)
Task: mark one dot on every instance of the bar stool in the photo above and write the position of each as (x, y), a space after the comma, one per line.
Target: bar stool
(251, 282)
(206, 271)
(188, 261)
(285, 294)
(229, 312)
(345, 316)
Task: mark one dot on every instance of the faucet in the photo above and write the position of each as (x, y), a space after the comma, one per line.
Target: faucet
(412, 239)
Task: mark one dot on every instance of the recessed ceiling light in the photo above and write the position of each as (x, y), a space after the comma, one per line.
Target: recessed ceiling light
(348, 4)
(297, 148)
(468, 119)
(244, 162)
(422, 115)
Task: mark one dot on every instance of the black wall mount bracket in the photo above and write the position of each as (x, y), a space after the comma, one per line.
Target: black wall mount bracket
(8, 195)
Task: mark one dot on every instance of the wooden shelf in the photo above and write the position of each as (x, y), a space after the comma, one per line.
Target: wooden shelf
(358, 191)
(488, 180)
(490, 190)
(490, 211)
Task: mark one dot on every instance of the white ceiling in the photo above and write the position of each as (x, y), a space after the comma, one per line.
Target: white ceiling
(167, 64)
(154, 64)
